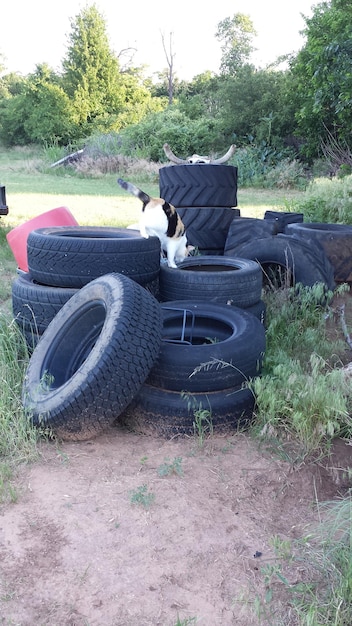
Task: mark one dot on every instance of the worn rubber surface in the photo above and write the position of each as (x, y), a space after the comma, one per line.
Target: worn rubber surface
(245, 229)
(335, 240)
(93, 358)
(69, 256)
(34, 305)
(214, 279)
(304, 261)
(207, 347)
(207, 227)
(203, 185)
(167, 413)
(283, 218)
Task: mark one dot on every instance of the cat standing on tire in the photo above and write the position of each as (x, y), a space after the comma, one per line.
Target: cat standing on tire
(160, 219)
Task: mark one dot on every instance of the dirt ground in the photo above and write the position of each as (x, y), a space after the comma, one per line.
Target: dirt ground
(130, 530)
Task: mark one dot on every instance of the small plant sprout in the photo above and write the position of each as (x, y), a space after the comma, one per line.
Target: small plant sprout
(142, 496)
(171, 467)
(203, 423)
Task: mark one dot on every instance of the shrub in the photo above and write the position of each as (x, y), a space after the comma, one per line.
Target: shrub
(326, 200)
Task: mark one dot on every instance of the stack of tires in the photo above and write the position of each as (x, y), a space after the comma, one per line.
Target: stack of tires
(106, 349)
(205, 196)
(61, 260)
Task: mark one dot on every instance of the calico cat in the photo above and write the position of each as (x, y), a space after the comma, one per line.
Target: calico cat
(160, 219)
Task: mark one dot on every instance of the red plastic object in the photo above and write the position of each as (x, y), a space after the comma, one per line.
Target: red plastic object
(17, 237)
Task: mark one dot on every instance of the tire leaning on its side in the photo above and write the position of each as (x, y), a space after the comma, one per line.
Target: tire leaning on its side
(93, 358)
(305, 261)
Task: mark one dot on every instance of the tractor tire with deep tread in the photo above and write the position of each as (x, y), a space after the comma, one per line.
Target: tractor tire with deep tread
(207, 227)
(204, 185)
(73, 256)
(93, 358)
(288, 260)
(244, 229)
(221, 280)
(335, 240)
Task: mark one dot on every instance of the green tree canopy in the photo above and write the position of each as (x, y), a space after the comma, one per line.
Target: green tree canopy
(322, 75)
(236, 35)
(91, 71)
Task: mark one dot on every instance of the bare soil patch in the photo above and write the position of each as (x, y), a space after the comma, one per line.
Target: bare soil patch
(76, 551)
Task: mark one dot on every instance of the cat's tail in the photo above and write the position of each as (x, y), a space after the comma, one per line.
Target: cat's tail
(134, 191)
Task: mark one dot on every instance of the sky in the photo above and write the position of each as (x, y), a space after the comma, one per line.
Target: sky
(36, 31)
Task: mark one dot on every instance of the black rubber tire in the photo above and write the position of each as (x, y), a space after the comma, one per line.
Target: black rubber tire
(336, 241)
(195, 185)
(207, 227)
(305, 261)
(93, 358)
(34, 305)
(68, 256)
(243, 229)
(214, 279)
(167, 414)
(283, 218)
(228, 339)
(258, 310)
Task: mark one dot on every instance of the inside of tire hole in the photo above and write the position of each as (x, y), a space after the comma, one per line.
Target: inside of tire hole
(72, 345)
(216, 267)
(185, 327)
(276, 276)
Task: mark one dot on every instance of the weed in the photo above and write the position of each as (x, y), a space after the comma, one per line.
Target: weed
(203, 423)
(142, 496)
(188, 621)
(171, 467)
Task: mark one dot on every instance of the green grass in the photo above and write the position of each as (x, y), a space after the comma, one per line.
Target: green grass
(17, 437)
(313, 574)
(303, 394)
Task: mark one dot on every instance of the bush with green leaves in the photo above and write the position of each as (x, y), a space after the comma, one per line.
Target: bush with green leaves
(326, 200)
(303, 394)
(263, 166)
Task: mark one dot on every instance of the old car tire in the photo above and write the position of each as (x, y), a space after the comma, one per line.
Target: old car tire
(167, 413)
(336, 241)
(283, 218)
(305, 262)
(207, 227)
(34, 305)
(204, 185)
(243, 229)
(93, 358)
(221, 280)
(207, 347)
(73, 256)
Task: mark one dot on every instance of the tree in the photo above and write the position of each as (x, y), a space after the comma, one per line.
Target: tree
(322, 76)
(236, 33)
(169, 55)
(91, 71)
(40, 112)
